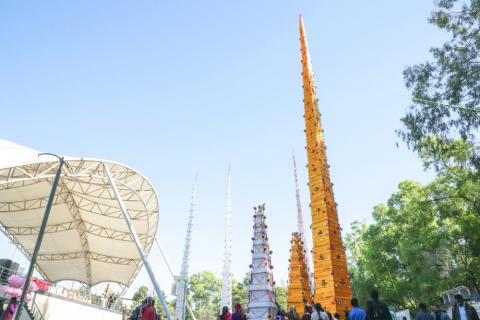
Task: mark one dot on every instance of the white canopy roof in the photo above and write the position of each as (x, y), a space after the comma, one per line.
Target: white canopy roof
(87, 238)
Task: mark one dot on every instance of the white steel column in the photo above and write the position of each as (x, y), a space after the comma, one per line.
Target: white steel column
(183, 279)
(137, 243)
(189, 309)
(227, 253)
(301, 226)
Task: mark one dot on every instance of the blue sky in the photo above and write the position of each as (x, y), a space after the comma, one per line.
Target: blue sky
(174, 88)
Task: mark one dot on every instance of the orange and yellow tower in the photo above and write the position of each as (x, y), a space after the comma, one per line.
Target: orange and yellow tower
(332, 280)
(298, 285)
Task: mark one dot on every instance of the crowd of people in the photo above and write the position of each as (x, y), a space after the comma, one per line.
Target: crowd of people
(145, 311)
(376, 310)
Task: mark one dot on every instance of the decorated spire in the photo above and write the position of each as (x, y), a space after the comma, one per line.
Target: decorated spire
(261, 292)
(227, 253)
(298, 292)
(301, 227)
(181, 291)
(332, 281)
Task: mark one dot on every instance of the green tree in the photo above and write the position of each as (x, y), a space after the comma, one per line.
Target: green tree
(422, 241)
(446, 90)
(240, 292)
(204, 291)
(281, 294)
(140, 295)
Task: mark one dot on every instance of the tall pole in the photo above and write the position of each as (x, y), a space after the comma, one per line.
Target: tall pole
(182, 283)
(189, 309)
(227, 252)
(38, 244)
(301, 226)
(137, 243)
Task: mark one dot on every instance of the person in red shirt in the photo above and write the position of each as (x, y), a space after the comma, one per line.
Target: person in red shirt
(149, 312)
(226, 315)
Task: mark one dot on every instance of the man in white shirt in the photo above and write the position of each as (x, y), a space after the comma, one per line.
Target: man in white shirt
(462, 310)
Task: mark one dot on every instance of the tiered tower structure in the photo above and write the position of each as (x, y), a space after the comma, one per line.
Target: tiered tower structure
(298, 285)
(261, 292)
(181, 290)
(227, 253)
(332, 280)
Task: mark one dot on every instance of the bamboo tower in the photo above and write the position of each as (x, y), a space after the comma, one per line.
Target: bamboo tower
(298, 285)
(331, 277)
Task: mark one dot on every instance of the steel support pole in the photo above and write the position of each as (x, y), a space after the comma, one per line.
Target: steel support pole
(38, 244)
(189, 309)
(137, 242)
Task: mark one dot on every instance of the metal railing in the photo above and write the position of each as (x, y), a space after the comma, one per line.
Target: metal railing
(37, 314)
(82, 295)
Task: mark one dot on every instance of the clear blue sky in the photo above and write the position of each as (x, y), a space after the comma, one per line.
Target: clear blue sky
(174, 88)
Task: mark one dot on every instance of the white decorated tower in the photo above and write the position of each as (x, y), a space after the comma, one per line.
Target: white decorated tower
(227, 253)
(181, 290)
(261, 292)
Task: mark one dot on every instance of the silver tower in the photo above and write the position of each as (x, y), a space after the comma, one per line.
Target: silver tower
(227, 253)
(183, 279)
(301, 225)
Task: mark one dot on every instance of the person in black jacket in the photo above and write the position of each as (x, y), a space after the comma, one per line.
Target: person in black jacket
(377, 310)
(439, 314)
(462, 310)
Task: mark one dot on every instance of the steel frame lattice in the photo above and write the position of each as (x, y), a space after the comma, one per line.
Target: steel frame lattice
(84, 189)
(227, 253)
(183, 279)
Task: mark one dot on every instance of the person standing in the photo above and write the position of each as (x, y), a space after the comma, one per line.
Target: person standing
(356, 313)
(462, 310)
(11, 309)
(319, 313)
(293, 314)
(423, 314)
(225, 314)
(377, 310)
(439, 314)
(149, 312)
(308, 313)
(238, 314)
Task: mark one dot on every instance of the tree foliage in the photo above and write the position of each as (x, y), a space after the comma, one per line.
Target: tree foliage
(424, 239)
(204, 291)
(446, 90)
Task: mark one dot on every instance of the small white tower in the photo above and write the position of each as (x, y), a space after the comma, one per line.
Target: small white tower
(183, 279)
(261, 291)
(227, 253)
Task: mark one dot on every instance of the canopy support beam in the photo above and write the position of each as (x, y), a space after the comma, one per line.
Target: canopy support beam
(137, 243)
(38, 244)
(189, 309)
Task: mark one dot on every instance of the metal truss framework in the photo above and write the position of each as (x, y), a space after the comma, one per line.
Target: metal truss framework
(226, 299)
(84, 189)
(182, 283)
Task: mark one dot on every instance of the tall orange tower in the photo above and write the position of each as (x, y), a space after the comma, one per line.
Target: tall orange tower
(332, 280)
(298, 283)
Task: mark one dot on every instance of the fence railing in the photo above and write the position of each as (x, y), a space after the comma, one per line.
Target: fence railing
(83, 294)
